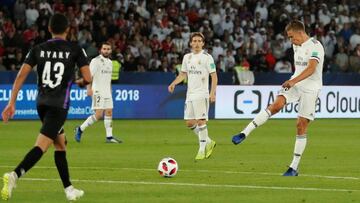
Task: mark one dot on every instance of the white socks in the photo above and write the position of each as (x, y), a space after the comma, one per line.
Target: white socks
(88, 122)
(92, 119)
(259, 119)
(195, 128)
(203, 137)
(108, 125)
(300, 142)
(299, 148)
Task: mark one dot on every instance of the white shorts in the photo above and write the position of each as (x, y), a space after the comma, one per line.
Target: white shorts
(197, 109)
(100, 102)
(306, 98)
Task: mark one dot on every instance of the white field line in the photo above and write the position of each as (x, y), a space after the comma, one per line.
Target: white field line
(194, 171)
(199, 185)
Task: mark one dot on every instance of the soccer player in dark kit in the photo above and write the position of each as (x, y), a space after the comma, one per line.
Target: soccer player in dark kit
(55, 62)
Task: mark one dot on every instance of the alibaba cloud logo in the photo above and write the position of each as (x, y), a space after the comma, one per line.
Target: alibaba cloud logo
(247, 102)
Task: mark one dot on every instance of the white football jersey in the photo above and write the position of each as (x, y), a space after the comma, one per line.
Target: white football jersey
(101, 70)
(198, 68)
(311, 49)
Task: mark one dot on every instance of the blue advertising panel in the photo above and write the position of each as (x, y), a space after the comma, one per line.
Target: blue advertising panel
(130, 102)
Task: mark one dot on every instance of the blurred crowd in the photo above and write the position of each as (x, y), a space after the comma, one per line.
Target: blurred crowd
(153, 35)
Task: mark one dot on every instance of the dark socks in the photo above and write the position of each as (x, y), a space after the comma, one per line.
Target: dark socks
(31, 158)
(62, 167)
(35, 154)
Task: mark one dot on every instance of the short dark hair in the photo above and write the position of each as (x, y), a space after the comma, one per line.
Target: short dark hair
(58, 23)
(197, 34)
(295, 25)
(105, 43)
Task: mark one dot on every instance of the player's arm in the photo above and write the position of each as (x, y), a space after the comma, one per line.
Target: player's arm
(93, 69)
(182, 76)
(214, 79)
(9, 110)
(83, 63)
(89, 89)
(310, 69)
(214, 82)
(85, 76)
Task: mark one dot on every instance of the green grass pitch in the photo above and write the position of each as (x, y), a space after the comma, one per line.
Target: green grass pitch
(249, 172)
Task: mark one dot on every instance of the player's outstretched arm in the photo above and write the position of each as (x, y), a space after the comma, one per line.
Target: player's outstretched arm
(303, 75)
(9, 110)
(177, 80)
(214, 82)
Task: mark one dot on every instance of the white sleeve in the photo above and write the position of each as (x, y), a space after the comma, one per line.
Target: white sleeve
(184, 64)
(317, 52)
(211, 67)
(110, 64)
(93, 66)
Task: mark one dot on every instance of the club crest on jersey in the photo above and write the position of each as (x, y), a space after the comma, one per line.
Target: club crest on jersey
(199, 62)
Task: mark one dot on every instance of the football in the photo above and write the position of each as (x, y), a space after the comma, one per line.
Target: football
(168, 167)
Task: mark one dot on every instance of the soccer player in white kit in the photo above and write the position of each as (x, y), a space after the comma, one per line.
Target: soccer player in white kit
(100, 91)
(303, 87)
(196, 67)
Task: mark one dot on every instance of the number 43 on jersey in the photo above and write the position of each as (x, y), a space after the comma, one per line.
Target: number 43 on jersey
(57, 70)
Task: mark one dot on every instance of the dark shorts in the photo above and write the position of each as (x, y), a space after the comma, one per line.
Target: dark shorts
(53, 119)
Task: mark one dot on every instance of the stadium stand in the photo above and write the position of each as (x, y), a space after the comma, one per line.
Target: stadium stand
(153, 35)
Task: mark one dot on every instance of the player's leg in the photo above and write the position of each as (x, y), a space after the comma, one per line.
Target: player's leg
(191, 122)
(108, 106)
(300, 144)
(108, 123)
(96, 105)
(307, 105)
(41, 146)
(285, 96)
(265, 114)
(87, 123)
(30, 159)
(62, 167)
(204, 136)
(193, 126)
(60, 159)
(206, 145)
(260, 119)
(92, 119)
(108, 127)
(189, 118)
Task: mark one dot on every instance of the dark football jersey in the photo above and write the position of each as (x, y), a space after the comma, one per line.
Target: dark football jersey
(55, 61)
